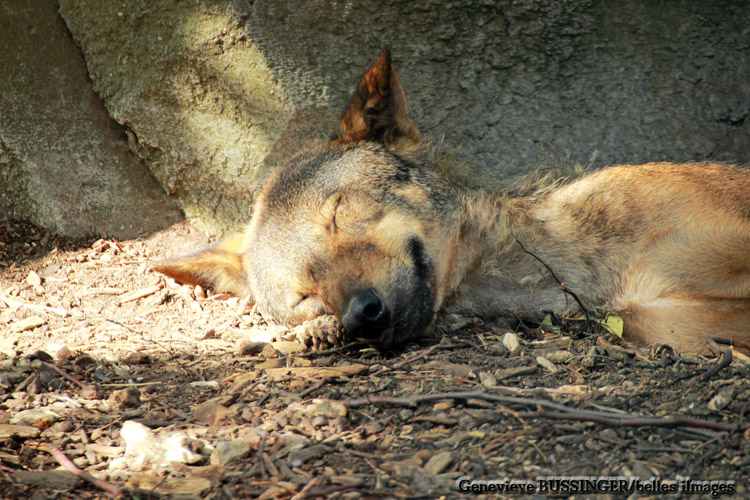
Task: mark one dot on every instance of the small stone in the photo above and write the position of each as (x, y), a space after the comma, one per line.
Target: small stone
(125, 398)
(516, 371)
(329, 409)
(27, 324)
(229, 451)
(443, 405)
(40, 419)
(63, 353)
(136, 358)
(373, 427)
(269, 352)
(251, 347)
(438, 463)
(33, 279)
(422, 456)
(89, 392)
(546, 364)
(286, 347)
(487, 379)
(269, 363)
(559, 356)
(511, 342)
(54, 479)
(589, 359)
(319, 421)
(213, 413)
(722, 399)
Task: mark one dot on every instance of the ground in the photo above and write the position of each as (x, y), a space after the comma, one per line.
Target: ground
(124, 383)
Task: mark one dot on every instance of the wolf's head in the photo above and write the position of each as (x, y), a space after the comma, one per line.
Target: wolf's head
(358, 227)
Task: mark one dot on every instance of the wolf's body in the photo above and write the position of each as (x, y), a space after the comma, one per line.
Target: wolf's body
(373, 228)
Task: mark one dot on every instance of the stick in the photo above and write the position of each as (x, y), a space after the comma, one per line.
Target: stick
(70, 466)
(553, 410)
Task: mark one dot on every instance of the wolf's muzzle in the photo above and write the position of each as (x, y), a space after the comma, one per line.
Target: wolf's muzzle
(367, 315)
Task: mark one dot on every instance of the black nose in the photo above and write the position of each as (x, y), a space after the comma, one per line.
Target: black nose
(367, 315)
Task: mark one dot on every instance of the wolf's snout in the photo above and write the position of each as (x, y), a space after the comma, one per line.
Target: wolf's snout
(367, 315)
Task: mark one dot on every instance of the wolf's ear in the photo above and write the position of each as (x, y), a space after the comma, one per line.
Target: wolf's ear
(378, 110)
(219, 267)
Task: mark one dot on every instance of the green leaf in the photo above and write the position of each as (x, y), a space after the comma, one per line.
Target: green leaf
(549, 327)
(613, 324)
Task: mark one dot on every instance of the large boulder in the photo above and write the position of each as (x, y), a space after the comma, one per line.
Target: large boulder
(211, 93)
(64, 163)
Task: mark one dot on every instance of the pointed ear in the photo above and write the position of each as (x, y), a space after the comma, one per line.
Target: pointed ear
(219, 267)
(378, 110)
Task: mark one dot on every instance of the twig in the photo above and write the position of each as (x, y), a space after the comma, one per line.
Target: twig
(70, 466)
(335, 489)
(552, 410)
(333, 350)
(422, 354)
(303, 492)
(64, 374)
(34, 307)
(726, 356)
(562, 285)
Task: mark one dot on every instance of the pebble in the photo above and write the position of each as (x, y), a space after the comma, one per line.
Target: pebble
(27, 324)
(487, 379)
(229, 451)
(125, 398)
(559, 356)
(546, 364)
(438, 463)
(511, 342)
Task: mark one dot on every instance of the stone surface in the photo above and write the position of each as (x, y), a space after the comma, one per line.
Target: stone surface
(64, 163)
(212, 94)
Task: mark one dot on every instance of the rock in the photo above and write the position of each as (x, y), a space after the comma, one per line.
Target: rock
(269, 352)
(325, 408)
(287, 347)
(487, 379)
(517, 371)
(251, 347)
(229, 451)
(438, 463)
(27, 324)
(175, 487)
(510, 341)
(37, 417)
(63, 164)
(559, 357)
(722, 399)
(125, 398)
(19, 431)
(136, 358)
(34, 279)
(546, 364)
(54, 479)
(213, 413)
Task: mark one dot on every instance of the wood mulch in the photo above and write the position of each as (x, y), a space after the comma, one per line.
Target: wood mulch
(115, 382)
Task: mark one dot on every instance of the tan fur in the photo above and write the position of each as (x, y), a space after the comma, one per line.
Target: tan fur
(665, 246)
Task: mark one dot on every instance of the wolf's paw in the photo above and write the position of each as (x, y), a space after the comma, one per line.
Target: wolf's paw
(320, 333)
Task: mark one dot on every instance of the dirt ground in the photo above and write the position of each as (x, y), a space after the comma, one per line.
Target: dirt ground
(114, 381)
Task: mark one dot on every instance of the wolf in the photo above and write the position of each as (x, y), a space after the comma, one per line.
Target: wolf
(378, 228)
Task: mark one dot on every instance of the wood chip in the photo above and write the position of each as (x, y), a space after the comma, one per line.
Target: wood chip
(20, 431)
(139, 294)
(27, 324)
(318, 372)
(170, 485)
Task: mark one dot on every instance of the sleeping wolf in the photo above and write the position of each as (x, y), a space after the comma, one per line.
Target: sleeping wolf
(374, 228)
